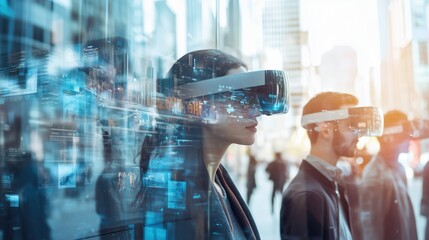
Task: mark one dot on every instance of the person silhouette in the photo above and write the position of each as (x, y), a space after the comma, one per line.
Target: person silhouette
(278, 171)
(25, 205)
(424, 205)
(110, 196)
(386, 208)
(251, 177)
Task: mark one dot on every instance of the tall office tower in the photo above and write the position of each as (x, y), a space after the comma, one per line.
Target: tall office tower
(419, 50)
(163, 38)
(33, 25)
(404, 55)
(338, 70)
(194, 24)
(232, 38)
(281, 31)
(97, 26)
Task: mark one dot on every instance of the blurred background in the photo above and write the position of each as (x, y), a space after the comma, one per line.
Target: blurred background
(53, 104)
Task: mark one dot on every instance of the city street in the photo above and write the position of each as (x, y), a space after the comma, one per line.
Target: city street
(268, 224)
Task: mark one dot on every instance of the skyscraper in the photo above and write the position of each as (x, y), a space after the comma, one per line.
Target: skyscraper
(281, 31)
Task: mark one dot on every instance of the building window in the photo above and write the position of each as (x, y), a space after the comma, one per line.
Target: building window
(37, 33)
(18, 28)
(75, 15)
(41, 2)
(4, 25)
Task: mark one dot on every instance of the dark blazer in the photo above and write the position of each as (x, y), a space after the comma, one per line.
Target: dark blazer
(310, 206)
(424, 208)
(239, 206)
(191, 221)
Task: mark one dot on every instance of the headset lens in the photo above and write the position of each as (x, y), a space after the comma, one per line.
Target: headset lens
(366, 121)
(273, 96)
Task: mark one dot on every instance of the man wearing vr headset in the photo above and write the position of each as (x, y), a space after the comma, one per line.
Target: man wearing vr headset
(386, 208)
(221, 101)
(314, 205)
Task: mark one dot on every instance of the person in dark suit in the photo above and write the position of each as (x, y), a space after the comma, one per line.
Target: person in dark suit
(251, 177)
(315, 205)
(424, 207)
(386, 208)
(278, 171)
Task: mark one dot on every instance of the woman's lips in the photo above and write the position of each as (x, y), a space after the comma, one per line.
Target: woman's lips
(252, 127)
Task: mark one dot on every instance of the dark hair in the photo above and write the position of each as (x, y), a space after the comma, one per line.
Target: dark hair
(326, 101)
(191, 67)
(203, 64)
(197, 66)
(396, 117)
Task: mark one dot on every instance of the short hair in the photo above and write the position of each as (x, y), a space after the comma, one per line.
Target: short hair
(394, 118)
(198, 66)
(326, 101)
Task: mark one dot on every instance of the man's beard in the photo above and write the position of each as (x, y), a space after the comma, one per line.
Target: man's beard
(341, 147)
(391, 151)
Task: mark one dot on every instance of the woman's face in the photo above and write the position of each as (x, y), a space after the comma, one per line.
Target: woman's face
(236, 115)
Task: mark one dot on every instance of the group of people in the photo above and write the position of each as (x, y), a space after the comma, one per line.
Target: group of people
(278, 174)
(320, 203)
(315, 204)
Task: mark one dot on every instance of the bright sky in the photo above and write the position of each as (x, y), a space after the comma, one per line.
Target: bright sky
(342, 22)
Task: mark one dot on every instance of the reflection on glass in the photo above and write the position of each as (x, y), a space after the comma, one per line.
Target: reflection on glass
(80, 119)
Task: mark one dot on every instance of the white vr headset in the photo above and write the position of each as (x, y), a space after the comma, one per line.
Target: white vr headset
(416, 129)
(269, 86)
(366, 121)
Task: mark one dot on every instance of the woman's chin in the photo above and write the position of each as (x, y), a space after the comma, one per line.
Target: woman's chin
(246, 141)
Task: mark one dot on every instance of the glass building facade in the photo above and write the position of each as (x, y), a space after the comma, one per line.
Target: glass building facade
(80, 95)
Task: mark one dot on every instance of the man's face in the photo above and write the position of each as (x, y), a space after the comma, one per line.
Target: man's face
(404, 146)
(345, 139)
(396, 143)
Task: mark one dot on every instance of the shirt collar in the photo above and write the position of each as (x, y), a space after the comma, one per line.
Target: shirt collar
(330, 172)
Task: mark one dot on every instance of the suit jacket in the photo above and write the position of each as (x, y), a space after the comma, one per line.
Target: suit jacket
(193, 221)
(310, 206)
(386, 208)
(238, 205)
(424, 207)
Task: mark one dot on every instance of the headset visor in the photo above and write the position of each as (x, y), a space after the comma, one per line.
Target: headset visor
(365, 121)
(270, 87)
(416, 129)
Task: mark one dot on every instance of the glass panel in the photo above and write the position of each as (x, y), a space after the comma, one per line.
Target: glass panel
(77, 100)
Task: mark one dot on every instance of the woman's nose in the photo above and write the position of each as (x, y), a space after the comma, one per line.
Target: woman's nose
(254, 112)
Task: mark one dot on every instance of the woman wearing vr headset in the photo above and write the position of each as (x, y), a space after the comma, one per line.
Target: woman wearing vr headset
(386, 208)
(220, 102)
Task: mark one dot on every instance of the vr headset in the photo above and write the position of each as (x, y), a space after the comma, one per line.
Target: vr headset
(265, 91)
(416, 129)
(365, 121)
